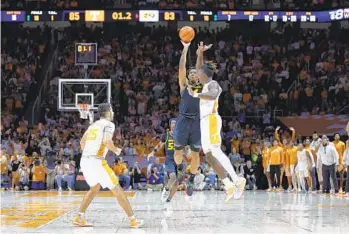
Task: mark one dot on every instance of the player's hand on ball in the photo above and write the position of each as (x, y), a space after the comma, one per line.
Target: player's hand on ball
(118, 151)
(185, 45)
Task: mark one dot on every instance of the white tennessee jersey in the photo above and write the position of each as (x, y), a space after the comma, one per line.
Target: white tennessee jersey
(94, 139)
(208, 107)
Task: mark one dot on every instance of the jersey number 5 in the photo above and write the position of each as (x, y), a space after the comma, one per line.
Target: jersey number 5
(170, 145)
(92, 134)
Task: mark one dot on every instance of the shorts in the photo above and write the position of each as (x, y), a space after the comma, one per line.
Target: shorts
(211, 132)
(303, 173)
(187, 132)
(170, 166)
(97, 171)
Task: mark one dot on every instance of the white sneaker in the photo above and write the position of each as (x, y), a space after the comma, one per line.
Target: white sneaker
(229, 190)
(168, 209)
(240, 188)
(164, 195)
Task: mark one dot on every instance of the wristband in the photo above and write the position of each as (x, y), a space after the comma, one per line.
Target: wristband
(196, 95)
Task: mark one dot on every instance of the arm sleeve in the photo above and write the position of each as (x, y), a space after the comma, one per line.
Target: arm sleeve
(163, 138)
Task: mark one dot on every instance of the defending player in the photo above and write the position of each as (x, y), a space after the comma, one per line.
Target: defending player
(187, 130)
(95, 143)
(170, 164)
(210, 125)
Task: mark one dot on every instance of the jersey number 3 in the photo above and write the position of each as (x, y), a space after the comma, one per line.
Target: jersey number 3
(92, 134)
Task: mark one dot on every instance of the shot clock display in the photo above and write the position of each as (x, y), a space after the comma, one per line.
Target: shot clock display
(86, 53)
(174, 15)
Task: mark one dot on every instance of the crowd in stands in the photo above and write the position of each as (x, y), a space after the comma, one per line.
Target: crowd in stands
(173, 4)
(296, 71)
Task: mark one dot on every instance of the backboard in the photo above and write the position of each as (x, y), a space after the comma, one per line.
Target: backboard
(89, 91)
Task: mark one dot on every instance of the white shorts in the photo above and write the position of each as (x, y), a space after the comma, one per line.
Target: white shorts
(303, 173)
(97, 171)
(210, 127)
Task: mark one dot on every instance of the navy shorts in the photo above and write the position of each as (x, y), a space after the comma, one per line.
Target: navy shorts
(187, 132)
(170, 165)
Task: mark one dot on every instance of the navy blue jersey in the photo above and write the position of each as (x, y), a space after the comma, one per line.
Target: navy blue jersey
(189, 105)
(167, 138)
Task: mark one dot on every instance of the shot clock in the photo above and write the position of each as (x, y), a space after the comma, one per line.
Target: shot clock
(86, 53)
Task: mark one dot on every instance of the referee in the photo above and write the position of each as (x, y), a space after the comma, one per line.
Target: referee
(328, 156)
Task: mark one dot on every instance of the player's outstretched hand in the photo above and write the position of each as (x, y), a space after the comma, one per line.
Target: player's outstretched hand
(185, 45)
(202, 47)
(118, 151)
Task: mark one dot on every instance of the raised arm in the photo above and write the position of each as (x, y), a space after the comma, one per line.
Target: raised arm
(293, 136)
(182, 69)
(200, 54)
(214, 90)
(276, 134)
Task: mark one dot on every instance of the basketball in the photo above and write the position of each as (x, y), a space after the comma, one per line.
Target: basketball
(187, 34)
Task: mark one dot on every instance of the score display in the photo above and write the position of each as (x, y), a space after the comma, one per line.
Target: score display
(86, 53)
(174, 15)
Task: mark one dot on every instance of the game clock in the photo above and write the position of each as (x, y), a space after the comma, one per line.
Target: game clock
(86, 53)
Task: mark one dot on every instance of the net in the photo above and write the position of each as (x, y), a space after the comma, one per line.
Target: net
(84, 110)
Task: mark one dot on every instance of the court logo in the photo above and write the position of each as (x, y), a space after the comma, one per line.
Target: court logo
(94, 16)
(148, 16)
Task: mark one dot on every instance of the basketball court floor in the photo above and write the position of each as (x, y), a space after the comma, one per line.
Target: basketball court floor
(204, 212)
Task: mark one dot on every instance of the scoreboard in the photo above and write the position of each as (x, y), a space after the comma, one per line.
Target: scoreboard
(173, 15)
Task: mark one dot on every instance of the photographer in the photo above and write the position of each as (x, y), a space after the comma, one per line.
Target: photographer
(24, 173)
(136, 177)
(155, 183)
(39, 172)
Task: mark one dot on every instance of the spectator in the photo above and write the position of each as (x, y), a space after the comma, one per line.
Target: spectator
(234, 156)
(24, 173)
(239, 169)
(250, 176)
(39, 172)
(14, 172)
(59, 171)
(50, 158)
(69, 175)
(121, 172)
(160, 169)
(5, 181)
(154, 180)
(328, 157)
(211, 178)
(199, 181)
(136, 177)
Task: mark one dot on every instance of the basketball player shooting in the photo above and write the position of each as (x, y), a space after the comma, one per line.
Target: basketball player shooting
(210, 125)
(95, 143)
(187, 130)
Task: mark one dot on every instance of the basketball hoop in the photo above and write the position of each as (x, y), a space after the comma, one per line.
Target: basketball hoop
(84, 110)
